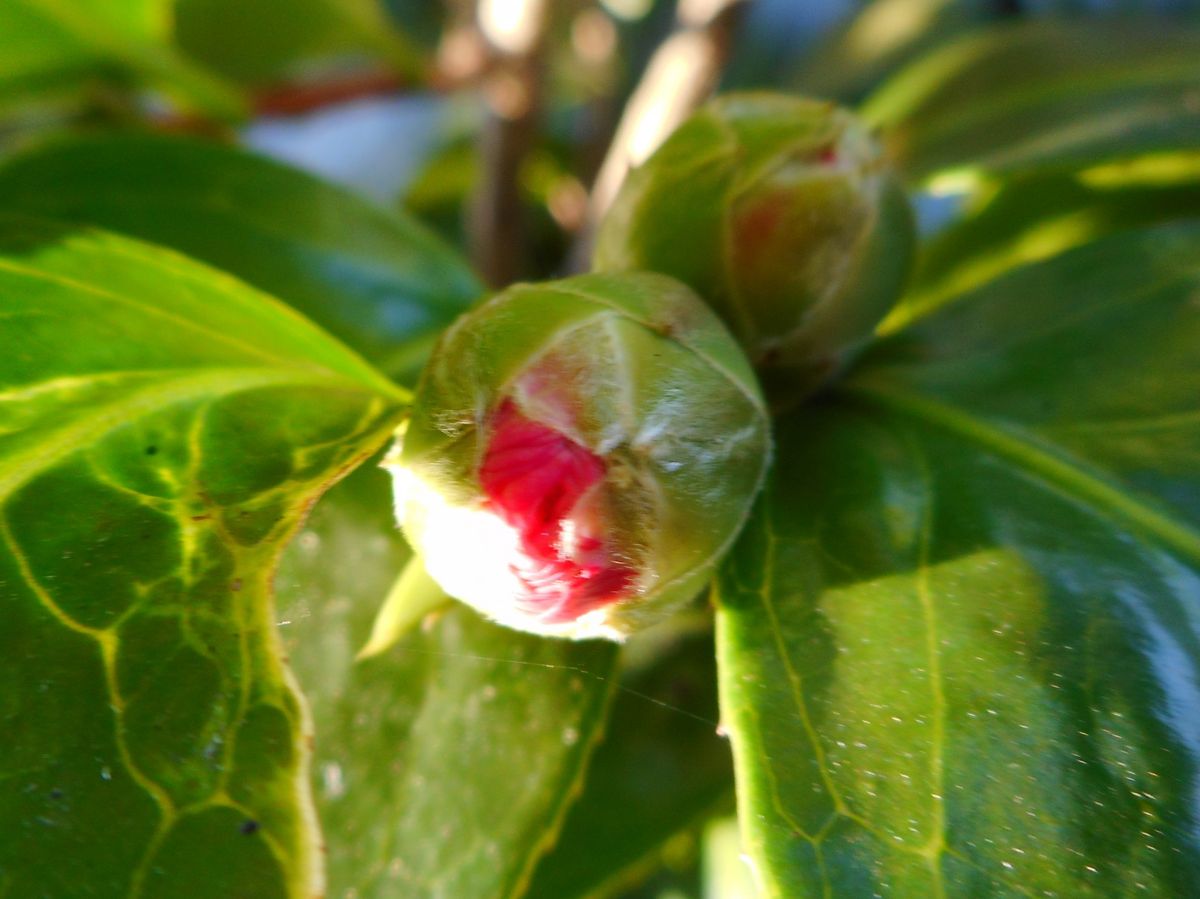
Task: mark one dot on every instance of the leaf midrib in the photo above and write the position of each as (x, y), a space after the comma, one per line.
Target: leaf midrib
(21, 467)
(33, 273)
(350, 366)
(1050, 464)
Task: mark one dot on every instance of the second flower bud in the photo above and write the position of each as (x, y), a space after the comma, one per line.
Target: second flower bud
(782, 213)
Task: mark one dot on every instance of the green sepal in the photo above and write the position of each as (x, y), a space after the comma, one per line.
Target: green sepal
(414, 595)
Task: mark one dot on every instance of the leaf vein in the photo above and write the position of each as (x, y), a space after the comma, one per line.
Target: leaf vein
(153, 311)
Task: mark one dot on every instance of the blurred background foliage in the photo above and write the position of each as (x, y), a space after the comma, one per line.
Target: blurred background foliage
(383, 95)
(1031, 125)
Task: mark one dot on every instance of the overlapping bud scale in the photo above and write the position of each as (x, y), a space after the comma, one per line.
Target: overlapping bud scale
(581, 453)
(781, 212)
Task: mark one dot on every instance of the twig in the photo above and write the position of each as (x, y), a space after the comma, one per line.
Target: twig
(682, 72)
(514, 30)
(290, 98)
(296, 98)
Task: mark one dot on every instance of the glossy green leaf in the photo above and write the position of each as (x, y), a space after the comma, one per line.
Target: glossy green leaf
(274, 39)
(444, 766)
(660, 771)
(960, 641)
(376, 279)
(48, 44)
(163, 429)
(1044, 94)
(1032, 218)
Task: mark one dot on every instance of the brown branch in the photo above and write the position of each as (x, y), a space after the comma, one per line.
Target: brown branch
(291, 98)
(296, 98)
(681, 74)
(495, 228)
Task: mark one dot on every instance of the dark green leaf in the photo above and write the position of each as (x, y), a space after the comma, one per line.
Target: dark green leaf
(1028, 219)
(1044, 94)
(445, 765)
(376, 279)
(275, 39)
(163, 429)
(960, 642)
(878, 39)
(659, 771)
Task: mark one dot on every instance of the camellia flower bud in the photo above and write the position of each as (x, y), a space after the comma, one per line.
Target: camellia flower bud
(781, 213)
(581, 453)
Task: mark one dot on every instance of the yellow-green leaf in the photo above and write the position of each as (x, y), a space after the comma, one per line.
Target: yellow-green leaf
(52, 44)
(374, 278)
(163, 430)
(443, 766)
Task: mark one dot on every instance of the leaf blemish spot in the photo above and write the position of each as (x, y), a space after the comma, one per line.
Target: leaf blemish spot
(249, 827)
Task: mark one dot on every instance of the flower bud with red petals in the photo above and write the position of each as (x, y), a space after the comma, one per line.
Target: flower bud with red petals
(581, 453)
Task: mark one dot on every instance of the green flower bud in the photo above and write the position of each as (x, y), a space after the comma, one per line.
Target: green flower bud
(581, 453)
(779, 211)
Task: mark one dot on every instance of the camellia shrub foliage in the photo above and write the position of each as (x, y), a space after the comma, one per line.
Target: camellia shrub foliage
(831, 528)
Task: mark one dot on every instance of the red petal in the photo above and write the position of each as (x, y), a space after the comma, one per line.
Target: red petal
(533, 478)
